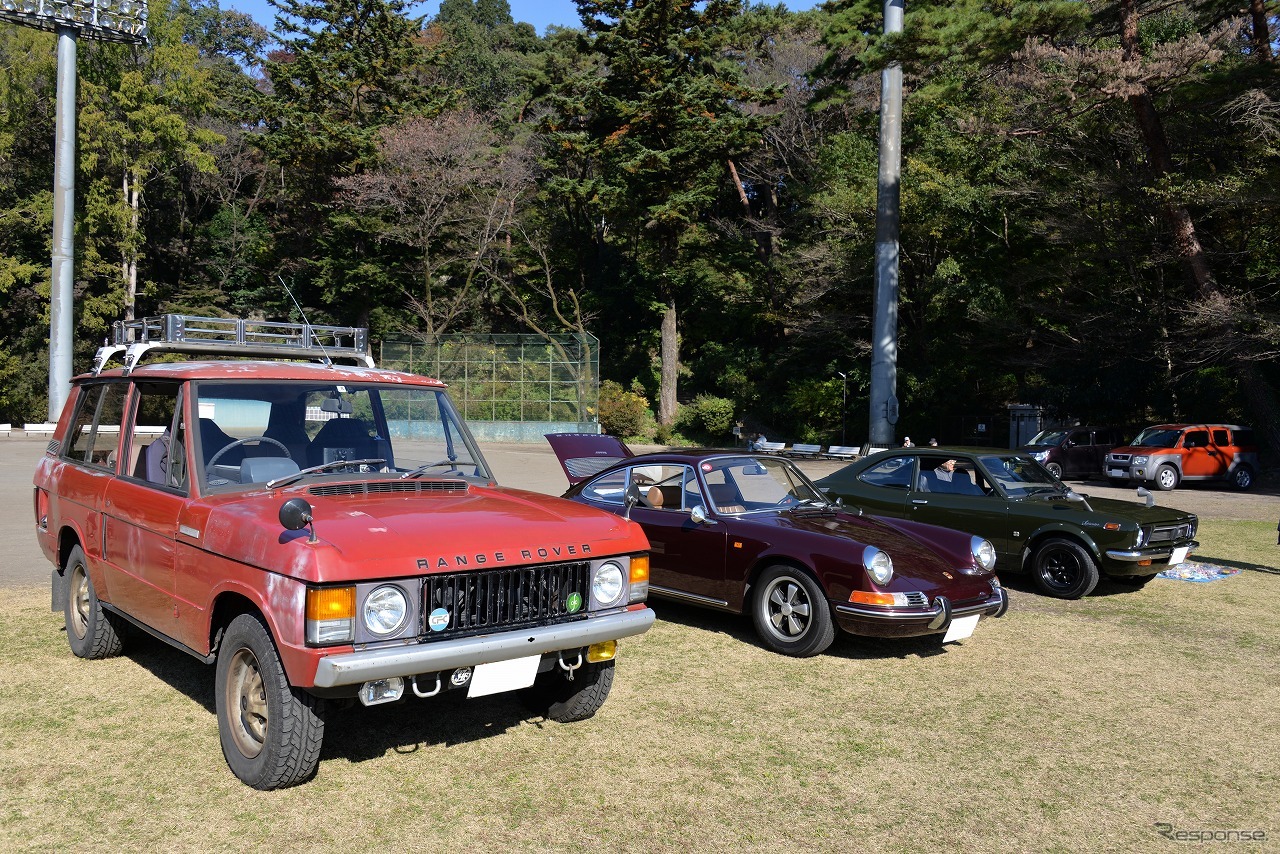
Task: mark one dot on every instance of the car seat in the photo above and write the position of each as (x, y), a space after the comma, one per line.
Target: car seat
(346, 439)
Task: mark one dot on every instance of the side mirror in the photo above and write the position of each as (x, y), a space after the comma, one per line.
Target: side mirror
(295, 514)
(699, 515)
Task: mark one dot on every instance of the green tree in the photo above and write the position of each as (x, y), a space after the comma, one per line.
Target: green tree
(644, 137)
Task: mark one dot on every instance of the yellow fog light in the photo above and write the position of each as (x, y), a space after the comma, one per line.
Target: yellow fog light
(603, 651)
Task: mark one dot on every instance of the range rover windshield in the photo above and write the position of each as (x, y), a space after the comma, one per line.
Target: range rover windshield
(257, 432)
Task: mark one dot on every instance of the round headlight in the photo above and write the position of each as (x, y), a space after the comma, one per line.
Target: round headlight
(608, 585)
(1142, 538)
(385, 610)
(878, 564)
(984, 554)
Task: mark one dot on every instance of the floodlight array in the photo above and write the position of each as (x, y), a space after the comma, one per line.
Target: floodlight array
(105, 20)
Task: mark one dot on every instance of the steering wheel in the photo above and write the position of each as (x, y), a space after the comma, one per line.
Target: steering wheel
(246, 440)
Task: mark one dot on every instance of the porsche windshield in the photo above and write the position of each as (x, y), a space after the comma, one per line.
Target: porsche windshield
(255, 432)
(749, 484)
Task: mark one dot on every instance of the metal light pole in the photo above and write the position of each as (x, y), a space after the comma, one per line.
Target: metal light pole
(844, 405)
(884, 324)
(104, 20)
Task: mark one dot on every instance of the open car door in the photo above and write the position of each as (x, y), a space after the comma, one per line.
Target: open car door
(582, 455)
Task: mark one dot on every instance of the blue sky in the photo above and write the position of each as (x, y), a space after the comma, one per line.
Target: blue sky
(540, 13)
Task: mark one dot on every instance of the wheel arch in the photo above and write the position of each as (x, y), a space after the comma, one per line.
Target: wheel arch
(1063, 531)
(228, 605)
(765, 561)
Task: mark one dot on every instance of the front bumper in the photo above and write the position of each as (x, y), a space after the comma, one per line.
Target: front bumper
(887, 622)
(1155, 554)
(354, 668)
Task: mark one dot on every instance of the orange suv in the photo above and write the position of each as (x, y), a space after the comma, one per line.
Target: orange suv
(1168, 454)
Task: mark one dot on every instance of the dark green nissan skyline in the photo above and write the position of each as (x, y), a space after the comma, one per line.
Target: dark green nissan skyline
(1067, 541)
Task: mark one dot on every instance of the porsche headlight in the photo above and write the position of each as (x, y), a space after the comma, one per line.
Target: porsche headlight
(984, 554)
(385, 610)
(879, 565)
(608, 584)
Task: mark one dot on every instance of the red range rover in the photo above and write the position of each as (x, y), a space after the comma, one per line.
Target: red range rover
(321, 534)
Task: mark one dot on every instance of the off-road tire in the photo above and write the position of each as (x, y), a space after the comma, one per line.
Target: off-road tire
(557, 698)
(1063, 568)
(791, 612)
(1166, 478)
(271, 732)
(92, 631)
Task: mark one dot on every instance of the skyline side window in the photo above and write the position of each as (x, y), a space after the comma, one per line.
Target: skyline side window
(893, 473)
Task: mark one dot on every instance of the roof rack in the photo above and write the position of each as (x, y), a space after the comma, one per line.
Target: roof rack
(184, 333)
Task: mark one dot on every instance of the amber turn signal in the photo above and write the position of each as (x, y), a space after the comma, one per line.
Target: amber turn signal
(862, 597)
(331, 603)
(639, 568)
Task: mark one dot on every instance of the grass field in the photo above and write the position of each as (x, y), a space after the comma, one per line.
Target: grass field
(1063, 726)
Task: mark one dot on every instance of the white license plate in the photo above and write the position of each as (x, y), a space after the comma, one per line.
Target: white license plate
(961, 628)
(1117, 473)
(502, 676)
(1179, 555)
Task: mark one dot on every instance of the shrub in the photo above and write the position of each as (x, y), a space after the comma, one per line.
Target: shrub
(624, 413)
(707, 417)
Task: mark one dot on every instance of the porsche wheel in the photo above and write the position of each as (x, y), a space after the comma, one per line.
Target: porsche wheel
(1064, 568)
(791, 613)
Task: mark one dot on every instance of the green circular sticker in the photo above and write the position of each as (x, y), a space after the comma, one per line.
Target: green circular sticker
(574, 602)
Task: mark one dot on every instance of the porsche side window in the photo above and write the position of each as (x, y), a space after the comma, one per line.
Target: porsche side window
(662, 487)
(610, 489)
(893, 473)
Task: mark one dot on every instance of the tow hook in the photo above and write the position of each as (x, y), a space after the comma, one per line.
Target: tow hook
(943, 604)
(422, 693)
(569, 668)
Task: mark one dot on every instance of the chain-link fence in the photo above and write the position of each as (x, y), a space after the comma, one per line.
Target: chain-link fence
(508, 378)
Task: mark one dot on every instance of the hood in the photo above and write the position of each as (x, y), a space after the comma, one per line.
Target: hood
(1133, 510)
(921, 553)
(583, 455)
(392, 535)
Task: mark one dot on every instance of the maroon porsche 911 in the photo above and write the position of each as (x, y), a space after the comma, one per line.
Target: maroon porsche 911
(742, 532)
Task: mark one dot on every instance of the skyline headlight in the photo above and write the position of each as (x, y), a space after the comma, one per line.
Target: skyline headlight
(984, 554)
(1140, 460)
(879, 565)
(608, 584)
(1142, 537)
(385, 610)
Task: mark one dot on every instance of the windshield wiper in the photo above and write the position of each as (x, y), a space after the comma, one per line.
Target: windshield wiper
(420, 470)
(290, 478)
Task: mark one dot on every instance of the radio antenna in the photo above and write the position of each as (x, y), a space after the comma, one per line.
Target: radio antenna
(307, 323)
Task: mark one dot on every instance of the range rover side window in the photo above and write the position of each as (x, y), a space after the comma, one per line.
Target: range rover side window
(156, 451)
(94, 434)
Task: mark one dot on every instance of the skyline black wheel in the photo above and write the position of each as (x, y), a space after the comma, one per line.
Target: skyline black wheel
(558, 699)
(271, 732)
(92, 632)
(1064, 568)
(791, 613)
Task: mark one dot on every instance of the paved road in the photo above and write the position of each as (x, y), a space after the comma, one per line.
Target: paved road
(526, 467)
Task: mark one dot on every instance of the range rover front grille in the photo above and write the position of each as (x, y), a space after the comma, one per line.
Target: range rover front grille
(474, 602)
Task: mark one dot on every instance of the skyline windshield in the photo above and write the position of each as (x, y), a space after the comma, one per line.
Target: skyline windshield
(1019, 476)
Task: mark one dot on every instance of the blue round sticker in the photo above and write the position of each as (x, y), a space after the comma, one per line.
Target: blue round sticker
(438, 621)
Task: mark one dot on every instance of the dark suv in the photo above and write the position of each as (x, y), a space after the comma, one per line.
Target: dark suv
(1074, 451)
